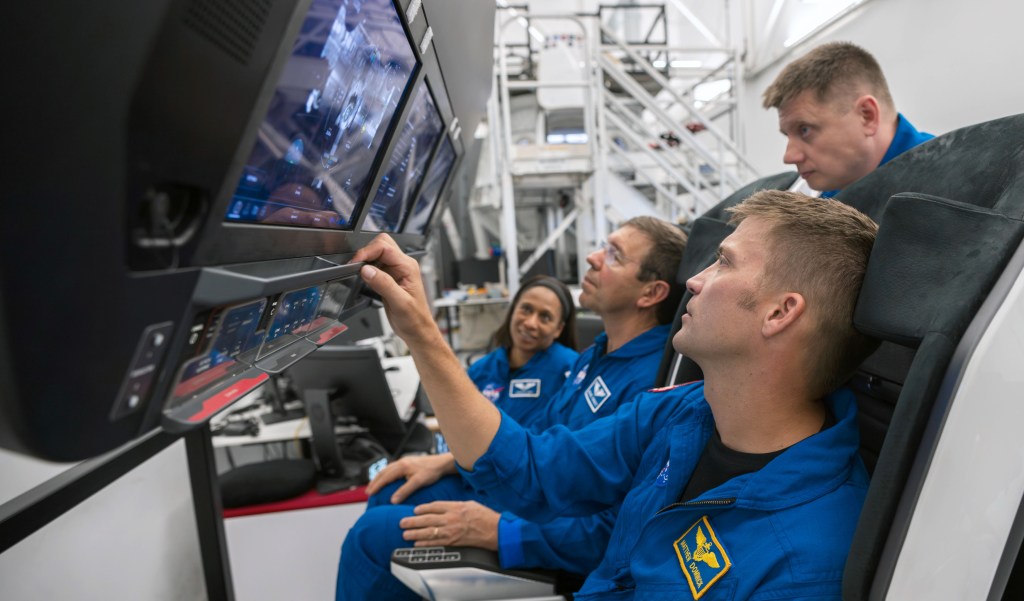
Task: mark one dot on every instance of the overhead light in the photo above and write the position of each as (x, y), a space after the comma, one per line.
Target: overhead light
(659, 64)
(685, 64)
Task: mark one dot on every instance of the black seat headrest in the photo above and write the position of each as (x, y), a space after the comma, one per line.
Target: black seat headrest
(932, 265)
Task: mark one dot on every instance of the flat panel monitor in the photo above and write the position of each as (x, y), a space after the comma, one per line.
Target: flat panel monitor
(430, 193)
(407, 165)
(355, 379)
(312, 163)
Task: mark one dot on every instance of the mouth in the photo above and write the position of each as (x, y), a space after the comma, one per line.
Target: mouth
(806, 174)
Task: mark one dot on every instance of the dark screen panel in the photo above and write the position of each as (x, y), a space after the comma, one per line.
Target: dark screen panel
(430, 193)
(313, 160)
(407, 165)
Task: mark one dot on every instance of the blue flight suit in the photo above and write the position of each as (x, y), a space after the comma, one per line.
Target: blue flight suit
(599, 383)
(782, 532)
(523, 391)
(905, 138)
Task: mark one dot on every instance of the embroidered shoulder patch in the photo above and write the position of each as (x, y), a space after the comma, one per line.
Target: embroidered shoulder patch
(525, 387)
(597, 393)
(702, 557)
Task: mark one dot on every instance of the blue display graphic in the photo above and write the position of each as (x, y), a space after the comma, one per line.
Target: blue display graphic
(293, 315)
(407, 165)
(437, 175)
(312, 162)
(221, 341)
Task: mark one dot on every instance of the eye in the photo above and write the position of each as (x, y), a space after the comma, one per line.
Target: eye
(804, 131)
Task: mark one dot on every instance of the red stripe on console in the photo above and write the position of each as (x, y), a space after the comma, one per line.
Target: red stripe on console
(331, 333)
(218, 401)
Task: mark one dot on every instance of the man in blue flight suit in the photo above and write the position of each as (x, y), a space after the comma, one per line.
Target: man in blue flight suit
(631, 286)
(748, 483)
(838, 117)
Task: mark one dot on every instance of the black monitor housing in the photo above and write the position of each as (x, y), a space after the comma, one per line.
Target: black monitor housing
(117, 237)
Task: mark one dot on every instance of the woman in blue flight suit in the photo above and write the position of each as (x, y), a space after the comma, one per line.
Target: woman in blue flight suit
(536, 348)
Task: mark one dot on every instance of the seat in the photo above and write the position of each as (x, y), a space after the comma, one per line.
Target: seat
(951, 215)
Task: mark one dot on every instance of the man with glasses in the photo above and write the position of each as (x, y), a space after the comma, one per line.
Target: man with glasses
(747, 485)
(631, 285)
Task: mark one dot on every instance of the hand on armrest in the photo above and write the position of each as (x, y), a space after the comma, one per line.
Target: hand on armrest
(459, 523)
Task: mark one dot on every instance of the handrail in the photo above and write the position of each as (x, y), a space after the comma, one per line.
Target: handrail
(708, 126)
(684, 161)
(648, 102)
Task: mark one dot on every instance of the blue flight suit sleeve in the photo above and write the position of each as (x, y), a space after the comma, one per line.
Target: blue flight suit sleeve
(573, 544)
(560, 472)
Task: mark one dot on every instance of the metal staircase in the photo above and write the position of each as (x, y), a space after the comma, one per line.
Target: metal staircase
(651, 145)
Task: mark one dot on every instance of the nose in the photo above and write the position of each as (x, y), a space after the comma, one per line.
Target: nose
(794, 153)
(530, 322)
(695, 284)
(596, 259)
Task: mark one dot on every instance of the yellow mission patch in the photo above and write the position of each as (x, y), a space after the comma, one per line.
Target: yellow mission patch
(702, 557)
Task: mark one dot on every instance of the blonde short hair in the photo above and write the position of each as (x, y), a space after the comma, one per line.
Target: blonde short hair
(818, 248)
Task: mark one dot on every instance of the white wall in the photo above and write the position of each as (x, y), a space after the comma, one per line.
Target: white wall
(949, 63)
(135, 539)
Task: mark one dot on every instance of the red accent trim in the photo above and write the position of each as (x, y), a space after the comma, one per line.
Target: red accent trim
(218, 401)
(202, 379)
(307, 501)
(331, 333)
(666, 388)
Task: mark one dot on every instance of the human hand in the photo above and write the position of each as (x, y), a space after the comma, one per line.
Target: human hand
(418, 470)
(462, 523)
(396, 277)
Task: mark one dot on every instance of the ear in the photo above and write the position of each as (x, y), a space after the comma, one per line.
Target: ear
(869, 112)
(782, 315)
(652, 293)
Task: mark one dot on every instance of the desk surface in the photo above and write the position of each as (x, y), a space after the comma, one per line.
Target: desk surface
(403, 379)
(445, 303)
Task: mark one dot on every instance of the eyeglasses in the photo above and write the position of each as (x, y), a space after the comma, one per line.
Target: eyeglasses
(612, 255)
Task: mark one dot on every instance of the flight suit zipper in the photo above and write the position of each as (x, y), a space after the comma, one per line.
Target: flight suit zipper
(705, 502)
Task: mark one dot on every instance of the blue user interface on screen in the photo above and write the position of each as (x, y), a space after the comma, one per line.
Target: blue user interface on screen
(312, 162)
(430, 193)
(407, 165)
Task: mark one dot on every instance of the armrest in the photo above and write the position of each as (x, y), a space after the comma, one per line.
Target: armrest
(468, 574)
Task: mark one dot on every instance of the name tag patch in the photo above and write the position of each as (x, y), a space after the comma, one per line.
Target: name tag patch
(701, 557)
(525, 388)
(597, 393)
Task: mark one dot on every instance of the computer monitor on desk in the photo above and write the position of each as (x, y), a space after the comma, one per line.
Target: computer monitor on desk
(348, 381)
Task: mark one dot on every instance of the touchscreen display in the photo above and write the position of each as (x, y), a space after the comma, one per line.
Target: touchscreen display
(292, 315)
(406, 167)
(313, 158)
(437, 175)
(333, 301)
(218, 344)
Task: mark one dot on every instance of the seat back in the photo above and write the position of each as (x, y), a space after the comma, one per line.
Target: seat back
(933, 265)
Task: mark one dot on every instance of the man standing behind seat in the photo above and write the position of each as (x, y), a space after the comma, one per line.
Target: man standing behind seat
(631, 285)
(838, 117)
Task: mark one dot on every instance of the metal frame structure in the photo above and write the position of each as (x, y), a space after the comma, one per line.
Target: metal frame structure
(701, 163)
